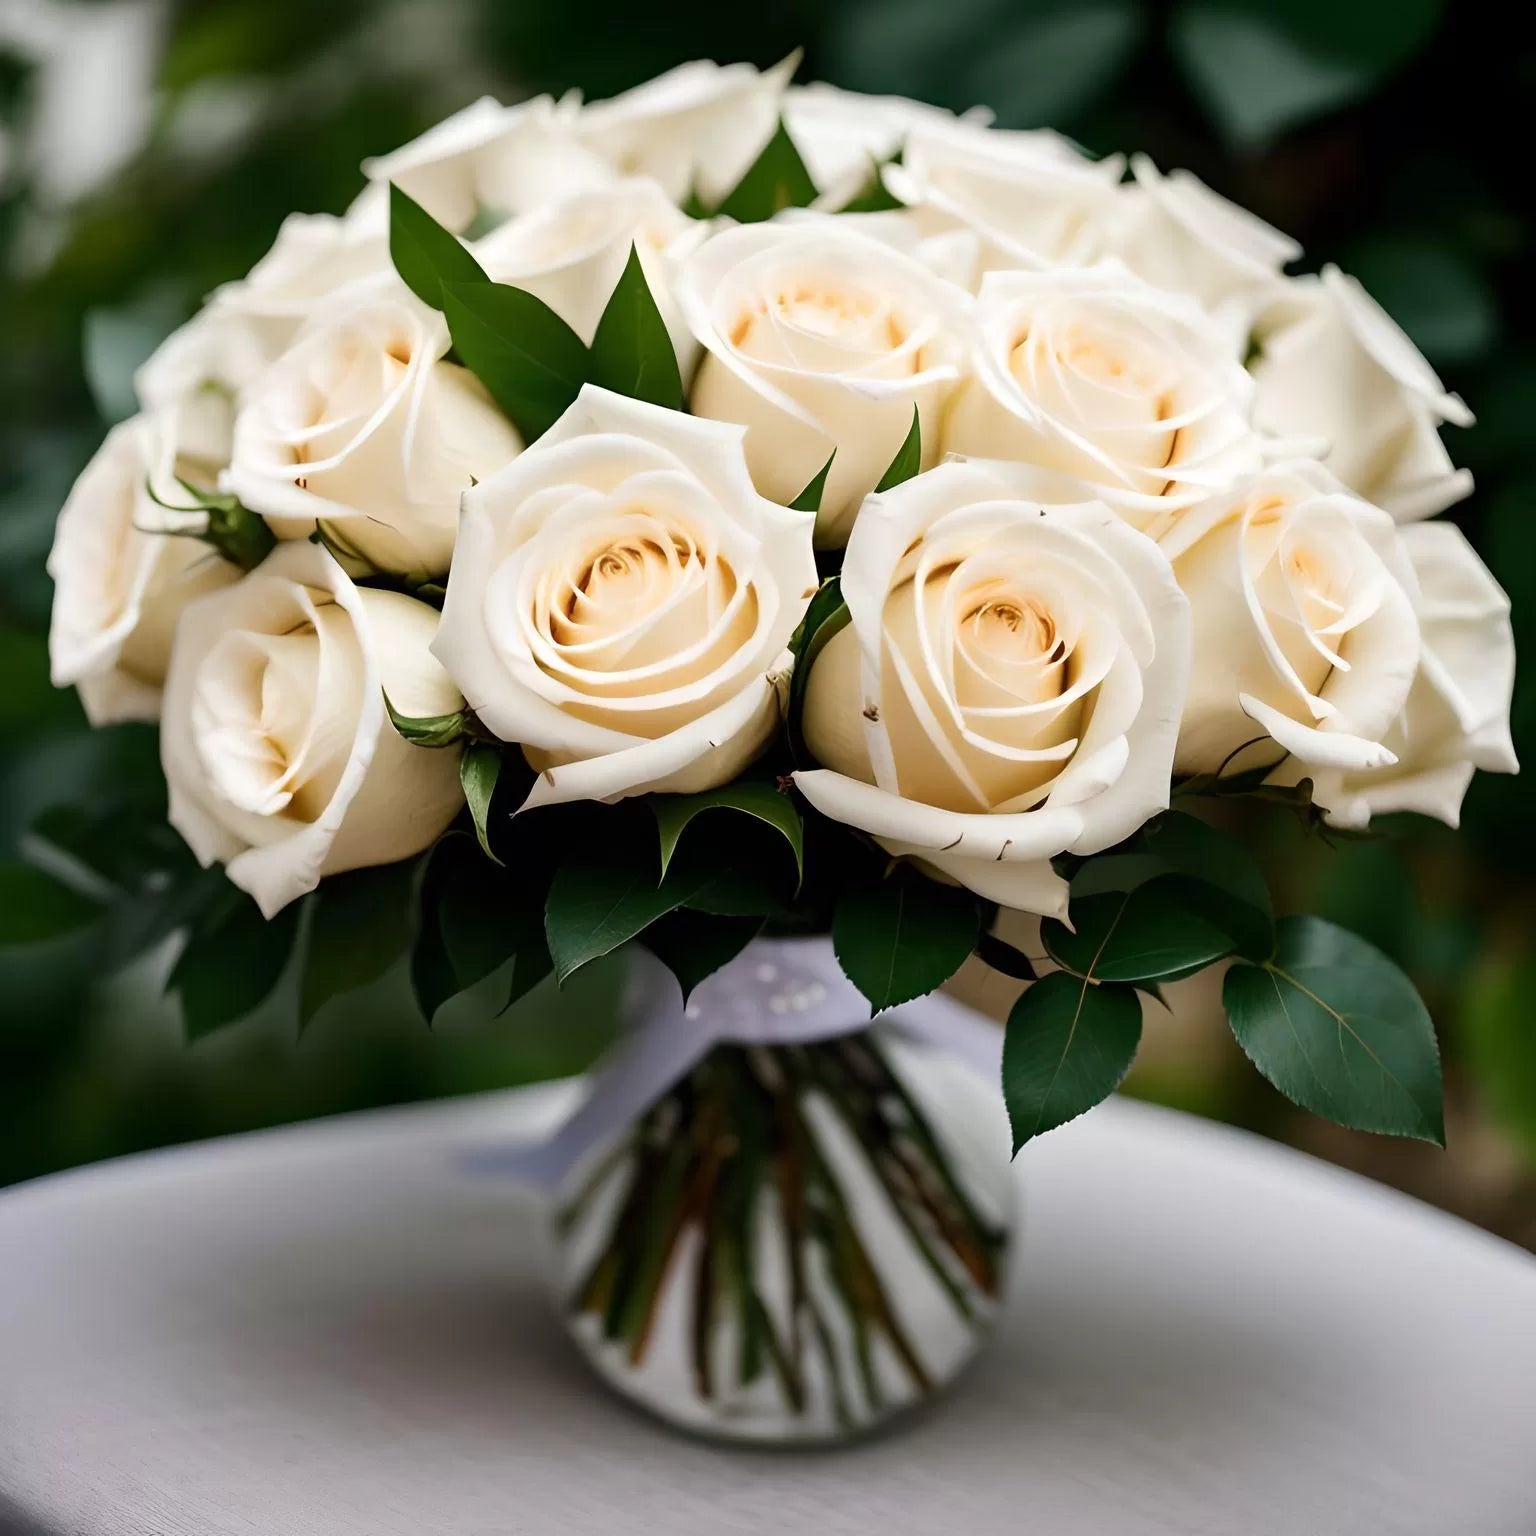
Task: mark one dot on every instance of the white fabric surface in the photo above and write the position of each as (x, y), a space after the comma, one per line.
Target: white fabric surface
(331, 1329)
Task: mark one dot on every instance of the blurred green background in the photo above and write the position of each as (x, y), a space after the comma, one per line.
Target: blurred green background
(149, 149)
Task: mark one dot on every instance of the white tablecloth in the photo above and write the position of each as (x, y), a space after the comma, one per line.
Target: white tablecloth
(331, 1329)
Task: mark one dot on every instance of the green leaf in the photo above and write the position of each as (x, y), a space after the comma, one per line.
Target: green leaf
(694, 945)
(433, 977)
(809, 500)
(631, 353)
(903, 936)
(1068, 1046)
(475, 916)
(424, 253)
(431, 730)
(1221, 882)
(360, 923)
(1339, 1030)
(232, 960)
(1261, 66)
(776, 180)
(596, 904)
(1003, 957)
(529, 359)
(610, 889)
(747, 797)
(1141, 935)
(34, 906)
(479, 771)
(909, 457)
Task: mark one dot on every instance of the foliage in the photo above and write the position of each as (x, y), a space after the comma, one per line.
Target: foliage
(1420, 201)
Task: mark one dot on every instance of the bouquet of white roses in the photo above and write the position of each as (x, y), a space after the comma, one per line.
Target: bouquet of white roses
(738, 508)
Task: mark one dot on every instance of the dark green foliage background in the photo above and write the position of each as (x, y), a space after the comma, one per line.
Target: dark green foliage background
(1382, 133)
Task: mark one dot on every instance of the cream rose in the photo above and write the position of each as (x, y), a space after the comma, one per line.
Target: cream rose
(488, 162)
(1008, 687)
(1456, 719)
(1178, 234)
(1094, 373)
(1336, 367)
(363, 428)
(845, 136)
(1030, 198)
(695, 129)
(572, 253)
(200, 369)
(118, 584)
(816, 337)
(1305, 639)
(621, 600)
(279, 754)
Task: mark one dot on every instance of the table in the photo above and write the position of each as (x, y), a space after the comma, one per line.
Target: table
(332, 1329)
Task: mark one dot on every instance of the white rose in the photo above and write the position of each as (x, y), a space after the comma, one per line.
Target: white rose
(489, 162)
(1457, 716)
(1305, 640)
(621, 600)
(278, 751)
(1008, 687)
(572, 253)
(1337, 368)
(363, 428)
(697, 128)
(816, 337)
(1031, 198)
(200, 369)
(1178, 234)
(844, 136)
(1094, 373)
(119, 586)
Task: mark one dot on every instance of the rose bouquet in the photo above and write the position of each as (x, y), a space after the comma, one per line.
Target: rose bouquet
(738, 513)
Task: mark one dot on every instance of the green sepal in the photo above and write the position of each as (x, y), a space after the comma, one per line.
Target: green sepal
(825, 617)
(437, 730)
(232, 530)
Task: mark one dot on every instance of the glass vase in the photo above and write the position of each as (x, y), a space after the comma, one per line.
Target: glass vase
(802, 1238)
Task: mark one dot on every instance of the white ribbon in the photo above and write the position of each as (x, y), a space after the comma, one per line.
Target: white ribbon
(776, 992)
